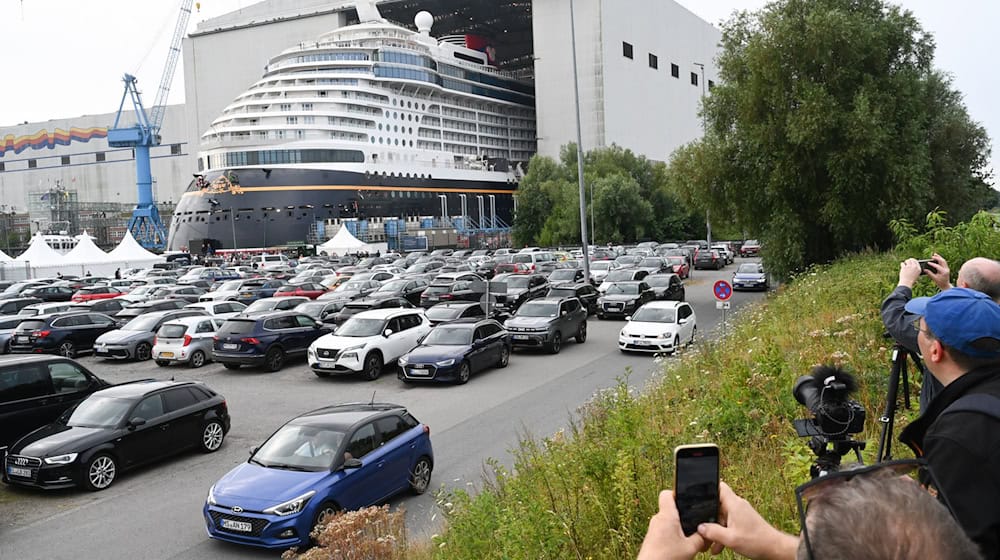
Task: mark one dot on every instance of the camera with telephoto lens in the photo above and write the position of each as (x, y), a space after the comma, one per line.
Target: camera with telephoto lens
(835, 418)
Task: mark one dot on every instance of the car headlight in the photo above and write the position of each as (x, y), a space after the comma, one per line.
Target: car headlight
(351, 352)
(294, 505)
(210, 500)
(445, 363)
(623, 333)
(61, 459)
(402, 361)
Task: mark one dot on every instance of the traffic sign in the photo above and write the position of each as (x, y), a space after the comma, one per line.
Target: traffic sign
(722, 290)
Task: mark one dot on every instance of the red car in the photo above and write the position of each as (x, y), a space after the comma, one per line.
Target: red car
(680, 266)
(311, 290)
(97, 292)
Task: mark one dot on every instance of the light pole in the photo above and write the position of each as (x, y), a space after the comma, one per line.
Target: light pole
(593, 230)
(232, 222)
(579, 149)
(708, 221)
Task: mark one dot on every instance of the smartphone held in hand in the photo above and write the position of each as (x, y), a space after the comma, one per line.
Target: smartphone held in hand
(696, 485)
(924, 265)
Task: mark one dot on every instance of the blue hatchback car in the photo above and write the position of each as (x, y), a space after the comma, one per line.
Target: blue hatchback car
(335, 458)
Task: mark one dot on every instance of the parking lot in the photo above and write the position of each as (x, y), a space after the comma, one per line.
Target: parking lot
(155, 512)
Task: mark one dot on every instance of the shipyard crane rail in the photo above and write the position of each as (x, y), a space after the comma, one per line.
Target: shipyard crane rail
(145, 223)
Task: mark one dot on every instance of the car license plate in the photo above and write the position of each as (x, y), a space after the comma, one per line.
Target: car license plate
(641, 343)
(419, 371)
(327, 365)
(16, 471)
(229, 346)
(166, 354)
(22, 338)
(520, 337)
(236, 525)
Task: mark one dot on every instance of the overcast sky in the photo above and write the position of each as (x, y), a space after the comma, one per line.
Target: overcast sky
(64, 58)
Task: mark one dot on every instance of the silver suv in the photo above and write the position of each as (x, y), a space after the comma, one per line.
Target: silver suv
(547, 322)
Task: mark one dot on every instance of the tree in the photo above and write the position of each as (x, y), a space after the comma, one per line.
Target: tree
(621, 212)
(828, 123)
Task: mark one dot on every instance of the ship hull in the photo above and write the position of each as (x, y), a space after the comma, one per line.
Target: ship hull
(257, 207)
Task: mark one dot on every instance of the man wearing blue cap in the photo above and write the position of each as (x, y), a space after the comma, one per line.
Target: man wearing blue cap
(959, 431)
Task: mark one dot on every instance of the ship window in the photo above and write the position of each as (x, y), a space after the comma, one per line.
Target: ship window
(307, 106)
(409, 105)
(380, 126)
(393, 102)
(675, 71)
(381, 140)
(654, 63)
(3, 167)
(99, 156)
(32, 163)
(64, 160)
(291, 120)
(694, 78)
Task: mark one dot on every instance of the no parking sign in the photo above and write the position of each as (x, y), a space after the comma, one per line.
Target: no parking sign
(723, 290)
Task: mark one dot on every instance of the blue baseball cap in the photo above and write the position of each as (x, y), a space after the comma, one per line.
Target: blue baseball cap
(964, 319)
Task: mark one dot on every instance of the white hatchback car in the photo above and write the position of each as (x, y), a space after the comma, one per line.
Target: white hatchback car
(659, 327)
(218, 309)
(367, 342)
(187, 340)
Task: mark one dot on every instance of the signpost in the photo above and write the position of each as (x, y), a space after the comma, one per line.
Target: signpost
(722, 291)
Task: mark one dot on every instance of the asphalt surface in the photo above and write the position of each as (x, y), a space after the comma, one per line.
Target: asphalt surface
(155, 512)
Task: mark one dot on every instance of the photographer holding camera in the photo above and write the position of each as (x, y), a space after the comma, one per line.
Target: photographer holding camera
(978, 273)
(958, 334)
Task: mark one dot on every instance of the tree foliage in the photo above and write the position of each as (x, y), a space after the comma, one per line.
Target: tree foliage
(829, 122)
(631, 200)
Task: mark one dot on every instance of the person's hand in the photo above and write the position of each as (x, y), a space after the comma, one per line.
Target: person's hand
(909, 272)
(665, 540)
(745, 532)
(938, 272)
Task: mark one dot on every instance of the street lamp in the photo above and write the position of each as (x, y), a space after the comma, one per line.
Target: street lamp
(579, 149)
(708, 221)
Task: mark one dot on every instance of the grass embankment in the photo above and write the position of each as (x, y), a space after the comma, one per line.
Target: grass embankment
(589, 492)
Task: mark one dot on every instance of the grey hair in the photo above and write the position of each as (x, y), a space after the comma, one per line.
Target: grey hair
(983, 275)
(880, 516)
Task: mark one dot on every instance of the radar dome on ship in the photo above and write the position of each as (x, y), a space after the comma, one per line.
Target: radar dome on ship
(424, 21)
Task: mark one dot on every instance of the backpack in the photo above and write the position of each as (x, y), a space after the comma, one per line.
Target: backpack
(976, 402)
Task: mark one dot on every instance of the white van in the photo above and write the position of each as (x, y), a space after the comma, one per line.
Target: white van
(534, 260)
(270, 262)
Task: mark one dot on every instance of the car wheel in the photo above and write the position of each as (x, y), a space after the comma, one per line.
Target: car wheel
(464, 372)
(694, 333)
(100, 472)
(228, 365)
(581, 335)
(556, 345)
(373, 366)
(162, 363)
(420, 478)
(143, 352)
(600, 316)
(197, 359)
(212, 436)
(504, 357)
(274, 359)
(67, 350)
(677, 344)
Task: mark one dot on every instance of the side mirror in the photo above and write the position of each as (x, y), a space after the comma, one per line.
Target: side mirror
(136, 422)
(682, 321)
(564, 313)
(317, 326)
(352, 463)
(628, 317)
(387, 333)
(254, 449)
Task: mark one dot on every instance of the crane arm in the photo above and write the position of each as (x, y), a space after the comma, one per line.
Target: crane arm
(159, 106)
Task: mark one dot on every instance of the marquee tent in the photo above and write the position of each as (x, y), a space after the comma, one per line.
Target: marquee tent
(131, 253)
(86, 252)
(40, 254)
(345, 243)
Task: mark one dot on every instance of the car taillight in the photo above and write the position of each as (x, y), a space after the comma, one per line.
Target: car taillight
(187, 340)
(215, 338)
(156, 340)
(427, 429)
(250, 340)
(447, 296)
(42, 334)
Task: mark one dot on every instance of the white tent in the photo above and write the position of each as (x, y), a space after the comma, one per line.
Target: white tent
(40, 254)
(130, 252)
(344, 243)
(86, 252)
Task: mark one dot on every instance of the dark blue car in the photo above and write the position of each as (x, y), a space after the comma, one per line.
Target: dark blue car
(453, 351)
(252, 290)
(335, 458)
(265, 339)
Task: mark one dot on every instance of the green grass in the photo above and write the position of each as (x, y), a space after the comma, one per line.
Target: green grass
(588, 492)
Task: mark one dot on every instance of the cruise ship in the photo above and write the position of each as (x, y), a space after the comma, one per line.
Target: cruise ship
(370, 121)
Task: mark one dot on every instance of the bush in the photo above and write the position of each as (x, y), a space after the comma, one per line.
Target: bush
(372, 533)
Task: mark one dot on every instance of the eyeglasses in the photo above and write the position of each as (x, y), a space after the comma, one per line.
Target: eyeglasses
(916, 327)
(818, 486)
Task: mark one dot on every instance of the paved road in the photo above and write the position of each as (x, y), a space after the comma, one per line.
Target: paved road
(155, 512)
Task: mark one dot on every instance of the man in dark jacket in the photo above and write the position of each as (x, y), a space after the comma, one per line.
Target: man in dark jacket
(979, 274)
(959, 340)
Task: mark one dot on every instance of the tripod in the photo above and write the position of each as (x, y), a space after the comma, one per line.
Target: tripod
(897, 374)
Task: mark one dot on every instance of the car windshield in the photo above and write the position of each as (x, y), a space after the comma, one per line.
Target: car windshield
(600, 265)
(564, 274)
(393, 286)
(266, 304)
(538, 309)
(351, 286)
(449, 336)
(99, 412)
(626, 289)
(310, 308)
(171, 330)
(749, 268)
(300, 447)
(675, 260)
(359, 326)
(651, 263)
(618, 275)
(655, 315)
(230, 286)
(443, 313)
(147, 323)
(234, 327)
(28, 312)
(517, 282)
(524, 259)
(562, 292)
(658, 281)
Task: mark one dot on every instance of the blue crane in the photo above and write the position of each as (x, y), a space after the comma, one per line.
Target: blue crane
(145, 223)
